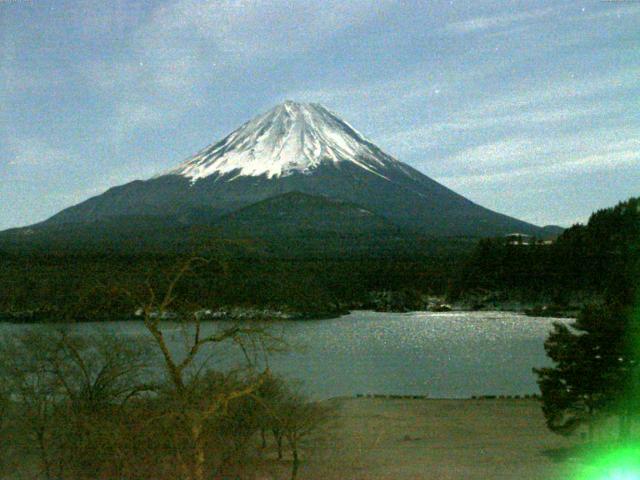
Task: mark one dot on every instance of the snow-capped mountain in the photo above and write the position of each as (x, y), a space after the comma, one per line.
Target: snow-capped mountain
(290, 138)
(302, 148)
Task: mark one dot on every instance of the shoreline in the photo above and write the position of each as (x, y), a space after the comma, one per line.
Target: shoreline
(28, 318)
(527, 396)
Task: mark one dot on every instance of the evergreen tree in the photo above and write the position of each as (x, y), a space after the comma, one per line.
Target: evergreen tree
(595, 368)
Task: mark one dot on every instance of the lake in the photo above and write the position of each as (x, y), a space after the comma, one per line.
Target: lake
(442, 355)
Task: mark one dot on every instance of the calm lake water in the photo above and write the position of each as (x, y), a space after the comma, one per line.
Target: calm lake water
(442, 355)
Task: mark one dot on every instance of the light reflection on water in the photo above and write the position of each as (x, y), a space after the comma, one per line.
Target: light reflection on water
(444, 355)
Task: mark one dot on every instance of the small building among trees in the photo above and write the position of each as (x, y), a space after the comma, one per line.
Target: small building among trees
(519, 239)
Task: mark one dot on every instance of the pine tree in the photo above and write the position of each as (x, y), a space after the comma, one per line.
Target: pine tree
(595, 369)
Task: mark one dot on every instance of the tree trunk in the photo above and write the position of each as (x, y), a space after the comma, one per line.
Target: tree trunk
(198, 464)
(174, 372)
(278, 436)
(296, 463)
(264, 438)
(44, 458)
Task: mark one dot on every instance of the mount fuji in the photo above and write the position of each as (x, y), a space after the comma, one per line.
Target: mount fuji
(272, 170)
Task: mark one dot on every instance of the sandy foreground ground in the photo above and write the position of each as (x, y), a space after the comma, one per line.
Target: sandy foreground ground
(438, 439)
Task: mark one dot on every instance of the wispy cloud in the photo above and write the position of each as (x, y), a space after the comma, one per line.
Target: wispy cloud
(244, 30)
(34, 151)
(500, 154)
(589, 157)
(551, 103)
(187, 46)
(132, 115)
(613, 10)
(16, 80)
(498, 21)
(416, 138)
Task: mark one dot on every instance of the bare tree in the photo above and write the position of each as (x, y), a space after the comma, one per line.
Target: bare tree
(100, 374)
(198, 405)
(69, 389)
(300, 419)
(289, 416)
(270, 396)
(26, 372)
(94, 413)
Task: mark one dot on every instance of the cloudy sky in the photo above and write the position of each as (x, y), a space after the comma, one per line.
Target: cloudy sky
(530, 108)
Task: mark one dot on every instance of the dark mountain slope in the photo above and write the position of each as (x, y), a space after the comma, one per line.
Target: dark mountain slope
(295, 213)
(297, 148)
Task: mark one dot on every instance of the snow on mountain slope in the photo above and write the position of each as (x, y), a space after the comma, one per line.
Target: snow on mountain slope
(303, 148)
(292, 137)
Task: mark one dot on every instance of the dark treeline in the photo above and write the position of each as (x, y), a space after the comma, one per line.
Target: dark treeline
(585, 262)
(74, 283)
(71, 286)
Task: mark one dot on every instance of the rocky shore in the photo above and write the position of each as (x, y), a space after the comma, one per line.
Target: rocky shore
(378, 301)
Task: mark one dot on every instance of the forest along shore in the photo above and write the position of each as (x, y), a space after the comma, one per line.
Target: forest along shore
(256, 314)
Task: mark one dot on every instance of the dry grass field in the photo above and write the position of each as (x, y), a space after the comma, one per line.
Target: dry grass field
(440, 440)
(426, 439)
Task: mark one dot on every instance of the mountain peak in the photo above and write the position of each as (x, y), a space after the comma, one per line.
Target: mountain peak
(294, 104)
(290, 138)
(291, 107)
(301, 147)
(298, 111)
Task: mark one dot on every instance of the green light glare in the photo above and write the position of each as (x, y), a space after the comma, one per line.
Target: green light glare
(621, 463)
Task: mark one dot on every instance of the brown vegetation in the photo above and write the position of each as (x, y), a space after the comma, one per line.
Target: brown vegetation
(95, 406)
